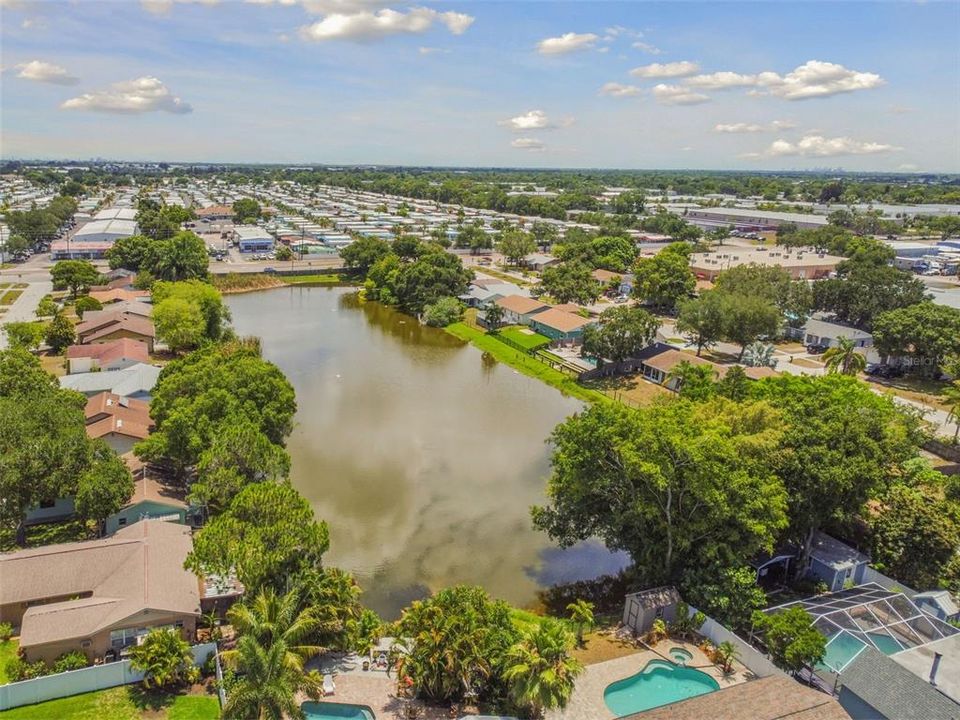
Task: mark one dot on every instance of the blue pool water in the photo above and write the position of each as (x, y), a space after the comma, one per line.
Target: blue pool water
(336, 711)
(843, 647)
(659, 683)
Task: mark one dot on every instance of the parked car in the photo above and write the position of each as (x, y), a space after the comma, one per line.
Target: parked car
(816, 349)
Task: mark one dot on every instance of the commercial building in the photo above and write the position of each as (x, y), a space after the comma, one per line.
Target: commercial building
(751, 220)
(252, 238)
(800, 263)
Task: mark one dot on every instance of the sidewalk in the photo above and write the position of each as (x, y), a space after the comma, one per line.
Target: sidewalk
(24, 306)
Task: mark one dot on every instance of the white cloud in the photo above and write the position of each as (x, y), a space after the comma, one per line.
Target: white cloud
(145, 94)
(908, 167)
(813, 79)
(567, 43)
(369, 25)
(615, 89)
(40, 71)
(530, 120)
(754, 127)
(646, 47)
(666, 70)
(34, 23)
(722, 80)
(432, 50)
(677, 95)
(163, 7)
(525, 143)
(819, 146)
(900, 109)
(739, 128)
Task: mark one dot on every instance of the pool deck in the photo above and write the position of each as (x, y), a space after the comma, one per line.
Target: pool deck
(587, 703)
(379, 693)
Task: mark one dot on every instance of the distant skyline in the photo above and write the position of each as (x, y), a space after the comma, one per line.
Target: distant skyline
(627, 85)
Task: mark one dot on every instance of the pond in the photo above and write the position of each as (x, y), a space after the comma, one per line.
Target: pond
(423, 455)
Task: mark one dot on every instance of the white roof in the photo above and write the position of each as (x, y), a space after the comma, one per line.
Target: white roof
(116, 228)
(135, 379)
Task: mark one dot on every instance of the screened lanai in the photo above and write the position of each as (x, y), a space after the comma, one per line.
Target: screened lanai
(868, 615)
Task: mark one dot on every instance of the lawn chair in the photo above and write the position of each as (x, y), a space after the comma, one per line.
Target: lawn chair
(328, 685)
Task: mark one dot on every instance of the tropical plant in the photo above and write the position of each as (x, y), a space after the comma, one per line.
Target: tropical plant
(725, 654)
(791, 638)
(164, 657)
(656, 633)
(844, 358)
(6, 631)
(270, 656)
(493, 315)
(73, 660)
(686, 624)
(951, 397)
(539, 670)
(581, 615)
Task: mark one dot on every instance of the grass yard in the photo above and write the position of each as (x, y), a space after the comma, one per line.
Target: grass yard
(486, 270)
(631, 390)
(10, 296)
(523, 363)
(600, 647)
(525, 337)
(129, 702)
(314, 279)
(8, 651)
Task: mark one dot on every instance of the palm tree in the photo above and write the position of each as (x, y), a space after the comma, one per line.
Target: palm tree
(581, 615)
(270, 655)
(539, 670)
(164, 657)
(725, 655)
(844, 358)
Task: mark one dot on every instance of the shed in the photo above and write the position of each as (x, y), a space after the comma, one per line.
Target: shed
(835, 562)
(938, 603)
(641, 608)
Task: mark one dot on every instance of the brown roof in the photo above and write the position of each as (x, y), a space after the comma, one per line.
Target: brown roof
(149, 488)
(137, 569)
(568, 307)
(771, 698)
(128, 307)
(128, 323)
(520, 304)
(112, 425)
(108, 403)
(117, 295)
(109, 351)
(215, 210)
(561, 320)
(669, 359)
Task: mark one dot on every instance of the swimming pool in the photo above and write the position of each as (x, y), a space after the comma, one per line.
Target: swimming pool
(336, 711)
(842, 647)
(659, 683)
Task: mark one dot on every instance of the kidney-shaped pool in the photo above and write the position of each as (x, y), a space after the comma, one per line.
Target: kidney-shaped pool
(659, 683)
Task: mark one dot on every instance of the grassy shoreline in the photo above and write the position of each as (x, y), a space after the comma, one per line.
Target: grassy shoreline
(524, 363)
(236, 283)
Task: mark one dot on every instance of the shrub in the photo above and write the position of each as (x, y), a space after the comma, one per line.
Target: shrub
(6, 632)
(284, 253)
(73, 660)
(164, 657)
(47, 307)
(443, 312)
(18, 669)
(87, 303)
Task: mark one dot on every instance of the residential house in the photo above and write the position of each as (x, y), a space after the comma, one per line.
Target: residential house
(114, 326)
(100, 596)
(114, 295)
(114, 355)
(659, 366)
(606, 278)
(151, 500)
(835, 563)
(822, 332)
(119, 282)
(136, 381)
(519, 310)
(875, 687)
(938, 603)
(540, 261)
(119, 421)
(485, 291)
(563, 328)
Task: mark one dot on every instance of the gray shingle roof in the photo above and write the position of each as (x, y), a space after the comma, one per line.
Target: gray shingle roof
(894, 691)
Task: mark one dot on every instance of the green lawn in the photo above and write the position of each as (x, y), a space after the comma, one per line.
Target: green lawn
(524, 363)
(129, 702)
(8, 651)
(10, 296)
(314, 279)
(529, 340)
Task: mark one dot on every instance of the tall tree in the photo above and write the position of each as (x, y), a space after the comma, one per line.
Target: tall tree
(76, 275)
(105, 487)
(702, 320)
(922, 335)
(622, 333)
(540, 671)
(664, 279)
(570, 282)
(749, 318)
(267, 534)
(515, 244)
(844, 358)
(179, 324)
(676, 485)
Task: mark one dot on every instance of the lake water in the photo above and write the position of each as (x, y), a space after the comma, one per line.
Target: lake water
(423, 456)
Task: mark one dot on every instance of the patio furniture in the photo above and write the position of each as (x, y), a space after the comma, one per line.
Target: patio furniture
(328, 685)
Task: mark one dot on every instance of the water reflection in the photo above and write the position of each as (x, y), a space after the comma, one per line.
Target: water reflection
(422, 456)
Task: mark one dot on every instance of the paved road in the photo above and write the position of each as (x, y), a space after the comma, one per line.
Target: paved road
(24, 306)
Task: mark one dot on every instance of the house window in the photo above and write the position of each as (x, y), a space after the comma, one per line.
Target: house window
(122, 521)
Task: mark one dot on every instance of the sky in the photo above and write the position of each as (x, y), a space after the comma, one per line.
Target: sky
(724, 85)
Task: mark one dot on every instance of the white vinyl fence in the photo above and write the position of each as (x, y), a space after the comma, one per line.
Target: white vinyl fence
(758, 663)
(75, 682)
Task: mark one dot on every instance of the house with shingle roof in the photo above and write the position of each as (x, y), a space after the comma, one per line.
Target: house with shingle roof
(101, 326)
(113, 355)
(136, 381)
(100, 596)
(564, 328)
(519, 309)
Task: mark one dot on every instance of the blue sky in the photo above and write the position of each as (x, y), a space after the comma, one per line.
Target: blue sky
(765, 85)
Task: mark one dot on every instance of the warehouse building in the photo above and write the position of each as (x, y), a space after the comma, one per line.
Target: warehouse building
(746, 220)
(801, 263)
(251, 238)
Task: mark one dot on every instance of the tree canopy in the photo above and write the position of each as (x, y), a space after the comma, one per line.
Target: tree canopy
(622, 333)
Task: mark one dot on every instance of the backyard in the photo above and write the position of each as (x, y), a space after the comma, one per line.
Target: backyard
(8, 651)
(524, 337)
(129, 702)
